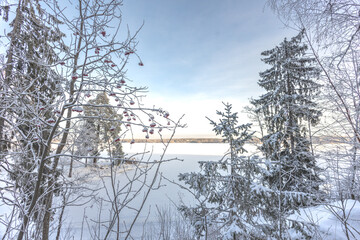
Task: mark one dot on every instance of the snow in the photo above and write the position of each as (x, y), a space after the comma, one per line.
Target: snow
(330, 227)
(167, 195)
(195, 149)
(259, 188)
(233, 228)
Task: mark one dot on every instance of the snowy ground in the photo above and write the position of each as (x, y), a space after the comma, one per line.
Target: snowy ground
(333, 219)
(81, 220)
(165, 196)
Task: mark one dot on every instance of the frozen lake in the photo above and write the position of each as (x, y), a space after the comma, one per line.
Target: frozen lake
(166, 195)
(81, 220)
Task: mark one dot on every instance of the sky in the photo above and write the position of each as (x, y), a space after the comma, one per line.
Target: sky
(198, 54)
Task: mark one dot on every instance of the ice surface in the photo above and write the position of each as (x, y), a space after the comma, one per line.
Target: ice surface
(168, 194)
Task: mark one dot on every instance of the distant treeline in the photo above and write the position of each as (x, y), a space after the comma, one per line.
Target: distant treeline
(178, 140)
(316, 140)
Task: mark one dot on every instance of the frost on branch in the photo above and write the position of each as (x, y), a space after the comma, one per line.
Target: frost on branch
(62, 99)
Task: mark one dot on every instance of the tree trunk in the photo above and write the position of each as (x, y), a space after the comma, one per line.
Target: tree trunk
(71, 162)
(47, 216)
(354, 170)
(63, 141)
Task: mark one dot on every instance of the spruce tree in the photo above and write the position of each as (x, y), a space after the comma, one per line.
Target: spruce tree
(287, 106)
(29, 91)
(228, 190)
(103, 127)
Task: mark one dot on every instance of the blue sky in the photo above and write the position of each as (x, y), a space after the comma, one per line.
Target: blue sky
(200, 53)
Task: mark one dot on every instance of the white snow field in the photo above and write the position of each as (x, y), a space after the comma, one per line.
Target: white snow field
(331, 220)
(81, 221)
(163, 197)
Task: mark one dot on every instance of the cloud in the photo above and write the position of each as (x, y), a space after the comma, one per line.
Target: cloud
(197, 54)
(194, 110)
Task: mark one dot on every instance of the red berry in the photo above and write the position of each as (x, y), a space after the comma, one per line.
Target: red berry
(128, 52)
(51, 120)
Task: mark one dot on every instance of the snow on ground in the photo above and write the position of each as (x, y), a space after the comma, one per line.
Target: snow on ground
(329, 226)
(81, 220)
(332, 218)
(83, 226)
(213, 149)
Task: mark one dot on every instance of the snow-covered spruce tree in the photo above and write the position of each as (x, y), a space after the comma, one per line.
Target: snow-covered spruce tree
(29, 91)
(4, 13)
(286, 106)
(334, 26)
(46, 82)
(102, 131)
(228, 190)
